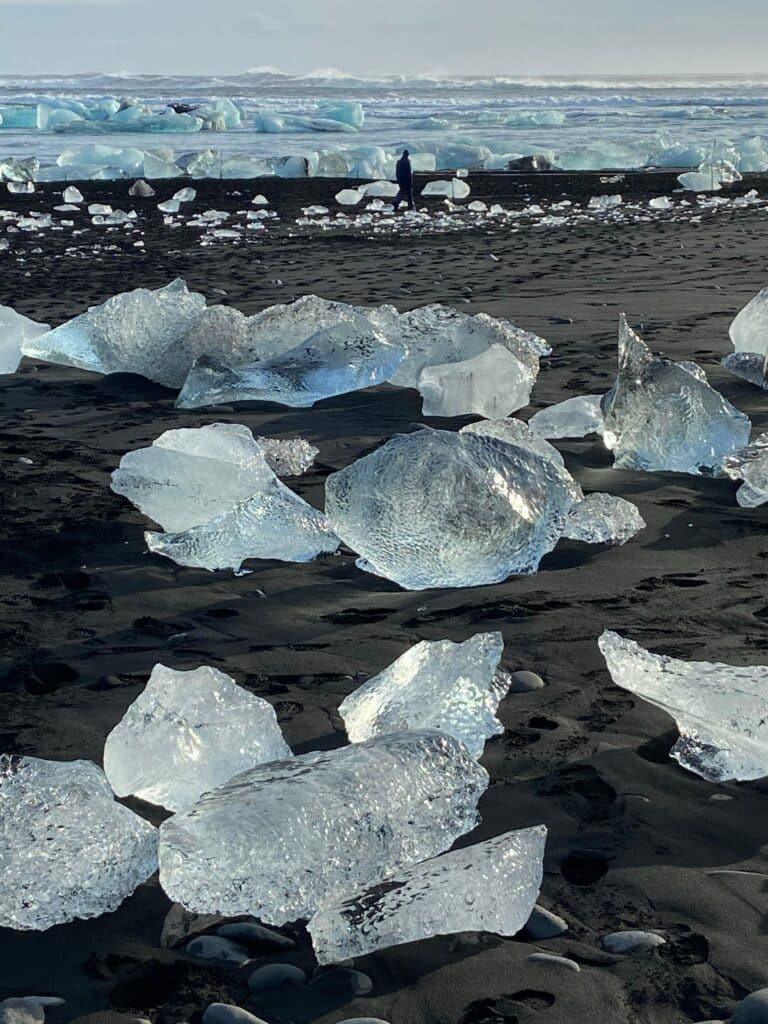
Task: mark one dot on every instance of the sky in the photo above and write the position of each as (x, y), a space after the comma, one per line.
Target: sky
(537, 37)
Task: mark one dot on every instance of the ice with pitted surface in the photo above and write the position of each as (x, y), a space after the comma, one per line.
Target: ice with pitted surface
(68, 850)
(659, 416)
(575, 417)
(493, 384)
(603, 519)
(333, 361)
(15, 331)
(281, 839)
(440, 509)
(290, 456)
(489, 887)
(455, 688)
(721, 711)
(214, 492)
(749, 464)
(188, 732)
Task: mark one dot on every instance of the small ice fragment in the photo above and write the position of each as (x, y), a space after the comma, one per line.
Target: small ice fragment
(603, 519)
(381, 188)
(15, 331)
(348, 197)
(749, 366)
(452, 687)
(453, 188)
(21, 187)
(574, 417)
(70, 851)
(600, 203)
(99, 209)
(186, 733)
(72, 194)
(749, 464)
(660, 203)
(489, 887)
(260, 200)
(335, 820)
(721, 710)
(142, 189)
(169, 206)
(185, 195)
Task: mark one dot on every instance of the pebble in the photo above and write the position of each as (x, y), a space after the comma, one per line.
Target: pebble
(255, 936)
(272, 976)
(543, 924)
(628, 942)
(524, 682)
(720, 796)
(554, 961)
(180, 923)
(753, 1009)
(343, 980)
(212, 947)
(223, 1013)
(25, 461)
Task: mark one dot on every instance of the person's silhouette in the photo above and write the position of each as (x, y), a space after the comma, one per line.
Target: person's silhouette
(404, 175)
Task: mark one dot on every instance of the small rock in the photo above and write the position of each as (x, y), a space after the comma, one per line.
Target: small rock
(212, 947)
(255, 937)
(561, 320)
(272, 976)
(753, 1009)
(524, 682)
(550, 960)
(628, 942)
(141, 188)
(179, 924)
(342, 981)
(543, 924)
(720, 796)
(223, 1013)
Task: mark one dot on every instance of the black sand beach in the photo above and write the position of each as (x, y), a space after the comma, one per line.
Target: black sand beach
(634, 841)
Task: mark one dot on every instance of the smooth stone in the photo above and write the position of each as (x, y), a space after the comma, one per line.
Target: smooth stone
(223, 1013)
(272, 976)
(212, 947)
(180, 924)
(525, 682)
(628, 942)
(255, 936)
(549, 959)
(543, 924)
(342, 980)
(753, 1009)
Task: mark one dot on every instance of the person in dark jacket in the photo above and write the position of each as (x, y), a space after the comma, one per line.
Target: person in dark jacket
(404, 175)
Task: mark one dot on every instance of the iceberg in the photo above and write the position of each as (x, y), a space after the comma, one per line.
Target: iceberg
(750, 465)
(214, 492)
(69, 850)
(17, 116)
(454, 688)
(659, 416)
(575, 417)
(492, 384)
(331, 362)
(49, 117)
(186, 733)
(721, 710)
(489, 887)
(15, 331)
(280, 840)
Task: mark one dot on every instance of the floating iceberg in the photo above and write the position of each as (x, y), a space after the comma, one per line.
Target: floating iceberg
(489, 887)
(213, 490)
(721, 710)
(492, 384)
(69, 850)
(15, 331)
(575, 417)
(280, 840)
(438, 509)
(659, 416)
(750, 465)
(333, 361)
(186, 733)
(454, 688)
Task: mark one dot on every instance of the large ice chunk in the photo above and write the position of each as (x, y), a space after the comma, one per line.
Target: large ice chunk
(660, 416)
(493, 384)
(749, 330)
(438, 509)
(279, 840)
(333, 361)
(213, 490)
(721, 710)
(489, 887)
(454, 688)
(15, 331)
(749, 464)
(68, 850)
(186, 733)
(575, 417)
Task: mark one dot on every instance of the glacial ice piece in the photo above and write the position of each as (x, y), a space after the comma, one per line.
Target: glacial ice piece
(661, 417)
(705, 179)
(348, 197)
(438, 509)
(281, 839)
(749, 330)
(721, 710)
(349, 111)
(21, 188)
(69, 850)
(751, 366)
(575, 417)
(213, 490)
(142, 189)
(287, 457)
(72, 194)
(603, 203)
(749, 464)
(660, 203)
(493, 384)
(331, 362)
(489, 887)
(15, 331)
(454, 188)
(19, 170)
(454, 688)
(186, 733)
(380, 189)
(603, 519)
(185, 195)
